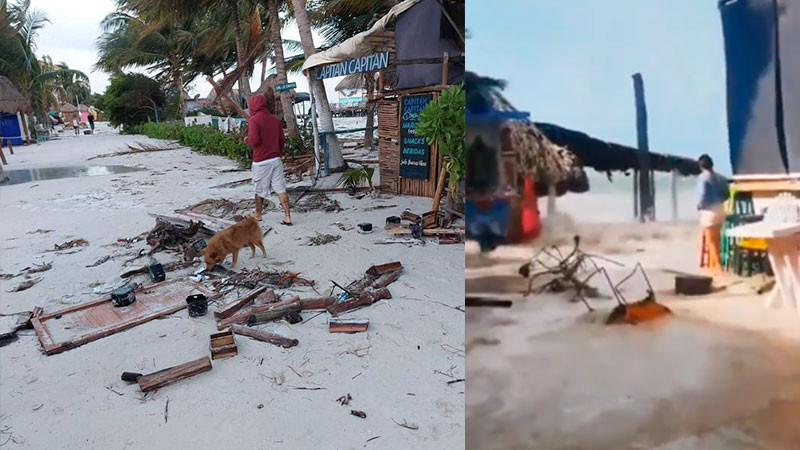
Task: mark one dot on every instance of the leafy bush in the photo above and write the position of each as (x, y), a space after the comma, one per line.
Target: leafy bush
(206, 139)
(132, 99)
(443, 122)
(356, 177)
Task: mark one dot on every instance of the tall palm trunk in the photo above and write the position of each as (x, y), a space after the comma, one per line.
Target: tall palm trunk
(177, 79)
(335, 159)
(244, 82)
(371, 104)
(280, 67)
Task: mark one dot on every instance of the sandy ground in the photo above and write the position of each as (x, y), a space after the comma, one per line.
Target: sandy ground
(722, 373)
(397, 372)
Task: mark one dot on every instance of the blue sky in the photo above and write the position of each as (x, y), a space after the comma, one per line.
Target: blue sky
(570, 62)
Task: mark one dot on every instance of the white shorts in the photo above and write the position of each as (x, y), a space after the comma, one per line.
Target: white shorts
(712, 218)
(268, 177)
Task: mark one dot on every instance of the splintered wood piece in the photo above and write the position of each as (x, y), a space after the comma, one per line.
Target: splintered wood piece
(274, 313)
(164, 377)
(225, 351)
(243, 316)
(220, 339)
(365, 299)
(445, 239)
(348, 325)
(384, 268)
(232, 308)
(387, 279)
(430, 219)
(270, 338)
(411, 217)
(316, 303)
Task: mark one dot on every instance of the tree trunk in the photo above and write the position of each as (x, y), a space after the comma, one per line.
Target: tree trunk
(335, 159)
(244, 83)
(371, 104)
(177, 78)
(280, 67)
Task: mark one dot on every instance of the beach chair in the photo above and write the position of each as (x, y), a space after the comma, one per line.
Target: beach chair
(740, 210)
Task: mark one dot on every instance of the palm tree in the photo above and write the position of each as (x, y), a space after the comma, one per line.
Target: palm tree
(336, 161)
(280, 68)
(130, 41)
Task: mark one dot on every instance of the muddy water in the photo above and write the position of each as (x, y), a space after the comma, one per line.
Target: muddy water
(19, 176)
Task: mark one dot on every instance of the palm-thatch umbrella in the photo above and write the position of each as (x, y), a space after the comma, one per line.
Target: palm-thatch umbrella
(555, 169)
(11, 100)
(67, 108)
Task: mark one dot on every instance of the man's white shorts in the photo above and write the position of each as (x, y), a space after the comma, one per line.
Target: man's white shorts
(268, 177)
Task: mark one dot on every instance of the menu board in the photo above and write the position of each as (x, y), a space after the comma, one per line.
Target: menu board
(415, 153)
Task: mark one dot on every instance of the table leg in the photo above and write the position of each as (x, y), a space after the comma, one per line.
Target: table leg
(775, 296)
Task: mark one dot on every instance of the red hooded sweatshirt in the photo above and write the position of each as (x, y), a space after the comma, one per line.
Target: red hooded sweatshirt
(264, 131)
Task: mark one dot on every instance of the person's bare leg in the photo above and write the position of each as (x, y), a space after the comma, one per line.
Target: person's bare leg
(284, 199)
(259, 206)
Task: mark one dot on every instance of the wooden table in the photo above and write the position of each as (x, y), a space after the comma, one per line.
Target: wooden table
(783, 248)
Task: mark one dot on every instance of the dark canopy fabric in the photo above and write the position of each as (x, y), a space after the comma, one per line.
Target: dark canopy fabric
(763, 84)
(610, 157)
(425, 32)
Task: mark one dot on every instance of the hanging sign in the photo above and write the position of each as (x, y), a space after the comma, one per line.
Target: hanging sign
(367, 63)
(415, 153)
(285, 86)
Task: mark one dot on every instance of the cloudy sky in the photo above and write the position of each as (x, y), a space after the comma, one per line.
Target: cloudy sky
(570, 63)
(73, 30)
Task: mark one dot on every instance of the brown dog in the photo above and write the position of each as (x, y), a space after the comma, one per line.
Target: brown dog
(245, 233)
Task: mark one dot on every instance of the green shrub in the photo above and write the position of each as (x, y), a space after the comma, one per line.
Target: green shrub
(206, 139)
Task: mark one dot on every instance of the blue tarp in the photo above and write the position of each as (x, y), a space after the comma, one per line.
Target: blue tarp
(763, 85)
(10, 130)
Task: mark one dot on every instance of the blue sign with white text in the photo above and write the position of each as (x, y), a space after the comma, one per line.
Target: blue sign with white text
(367, 63)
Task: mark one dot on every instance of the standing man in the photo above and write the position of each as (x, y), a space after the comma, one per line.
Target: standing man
(265, 136)
(91, 121)
(712, 192)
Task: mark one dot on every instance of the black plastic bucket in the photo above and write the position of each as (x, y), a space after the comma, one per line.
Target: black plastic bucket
(198, 305)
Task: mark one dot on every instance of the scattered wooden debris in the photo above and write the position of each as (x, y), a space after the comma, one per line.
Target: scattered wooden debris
(251, 278)
(37, 268)
(323, 239)
(173, 374)
(208, 227)
(167, 236)
(344, 400)
(316, 303)
(168, 267)
(276, 312)
(223, 345)
(484, 302)
(383, 269)
(244, 316)
(222, 208)
(270, 338)
(361, 414)
(25, 285)
(318, 202)
(142, 148)
(233, 307)
(348, 325)
(446, 239)
(365, 299)
(375, 208)
(405, 424)
(69, 244)
(403, 230)
(100, 261)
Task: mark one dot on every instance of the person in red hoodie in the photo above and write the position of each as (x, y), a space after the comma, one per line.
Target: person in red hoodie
(265, 136)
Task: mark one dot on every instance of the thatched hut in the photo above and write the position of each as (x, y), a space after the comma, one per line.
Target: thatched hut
(14, 107)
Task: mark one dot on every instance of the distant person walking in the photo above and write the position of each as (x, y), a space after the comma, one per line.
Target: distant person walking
(265, 136)
(75, 124)
(712, 193)
(91, 121)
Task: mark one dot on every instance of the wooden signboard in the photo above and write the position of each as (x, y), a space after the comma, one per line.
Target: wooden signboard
(415, 153)
(285, 87)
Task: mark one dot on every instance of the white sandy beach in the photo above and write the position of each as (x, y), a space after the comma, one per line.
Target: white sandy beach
(397, 372)
(722, 373)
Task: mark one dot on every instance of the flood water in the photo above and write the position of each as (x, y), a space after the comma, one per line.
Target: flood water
(20, 176)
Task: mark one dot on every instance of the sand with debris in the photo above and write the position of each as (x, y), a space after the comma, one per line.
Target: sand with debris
(266, 397)
(722, 373)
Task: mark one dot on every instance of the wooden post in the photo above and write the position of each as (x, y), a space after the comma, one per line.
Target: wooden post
(437, 197)
(445, 68)
(2, 156)
(635, 194)
(380, 82)
(674, 195)
(551, 199)
(645, 189)
(24, 121)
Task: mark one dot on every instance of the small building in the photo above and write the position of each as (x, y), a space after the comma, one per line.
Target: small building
(14, 108)
(415, 51)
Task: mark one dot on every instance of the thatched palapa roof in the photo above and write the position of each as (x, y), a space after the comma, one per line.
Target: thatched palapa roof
(67, 108)
(11, 100)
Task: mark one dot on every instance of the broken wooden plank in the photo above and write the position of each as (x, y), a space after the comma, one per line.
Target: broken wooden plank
(77, 325)
(411, 217)
(270, 338)
(365, 299)
(382, 269)
(244, 316)
(387, 279)
(316, 303)
(445, 239)
(224, 351)
(486, 302)
(348, 325)
(401, 230)
(171, 375)
(233, 307)
(274, 313)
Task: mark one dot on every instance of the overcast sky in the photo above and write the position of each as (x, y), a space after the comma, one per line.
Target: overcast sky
(570, 63)
(74, 27)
